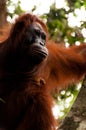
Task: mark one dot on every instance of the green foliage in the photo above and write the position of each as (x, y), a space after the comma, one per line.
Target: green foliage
(16, 6)
(76, 3)
(65, 99)
(57, 22)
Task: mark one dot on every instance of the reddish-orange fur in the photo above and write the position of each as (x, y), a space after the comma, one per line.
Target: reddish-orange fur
(27, 103)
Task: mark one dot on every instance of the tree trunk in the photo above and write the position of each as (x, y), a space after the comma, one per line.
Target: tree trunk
(76, 119)
(3, 13)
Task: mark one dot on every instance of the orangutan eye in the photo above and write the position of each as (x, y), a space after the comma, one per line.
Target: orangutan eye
(43, 35)
(37, 32)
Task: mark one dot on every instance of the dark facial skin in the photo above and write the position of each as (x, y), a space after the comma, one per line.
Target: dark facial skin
(37, 43)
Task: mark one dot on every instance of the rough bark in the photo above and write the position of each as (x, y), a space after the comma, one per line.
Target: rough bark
(76, 119)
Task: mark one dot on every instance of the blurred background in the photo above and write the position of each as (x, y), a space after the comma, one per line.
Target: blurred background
(66, 22)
